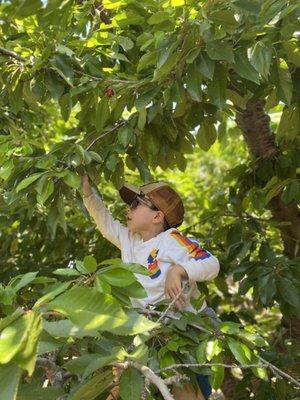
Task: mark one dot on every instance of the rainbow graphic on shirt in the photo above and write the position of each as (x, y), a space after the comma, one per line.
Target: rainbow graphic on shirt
(153, 268)
(192, 246)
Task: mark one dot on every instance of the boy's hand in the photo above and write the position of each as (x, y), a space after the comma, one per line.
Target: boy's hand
(86, 187)
(176, 273)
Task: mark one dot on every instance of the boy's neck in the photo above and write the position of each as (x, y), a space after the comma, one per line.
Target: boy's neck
(151, 233)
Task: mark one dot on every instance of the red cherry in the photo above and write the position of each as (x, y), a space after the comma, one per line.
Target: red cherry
(109, 92)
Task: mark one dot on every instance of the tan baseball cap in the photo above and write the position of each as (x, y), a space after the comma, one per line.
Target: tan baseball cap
(161, 195)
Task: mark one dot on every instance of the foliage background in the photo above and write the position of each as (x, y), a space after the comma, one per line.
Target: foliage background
(159, 90)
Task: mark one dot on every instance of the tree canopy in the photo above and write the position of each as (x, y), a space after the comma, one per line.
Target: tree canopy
(204, 94)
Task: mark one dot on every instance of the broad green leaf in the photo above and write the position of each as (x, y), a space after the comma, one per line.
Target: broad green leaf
(125, 135)
(26, 356)
(135, 290)
(66, 272)
(289, 124)
(47, 190)
(144, 99)
(193, 82)
(147, 60)
(65, 103)
(240, 351)
(167, 67)
(93, 387)
(288, 291)
(6, 169)
(131, 384)
(201, 352)
(79, 364)
(243, 67)
(101, 114)
(260, 56)
(283, 81)
(54, 84)
(118, 277)
(20, 281)
(52, 293)
(101, 285)
(65, 328)
(250, 6)
(116, 354)
(292, 49)
(205, 65)
(72, 180)
(220, 50)
(90, 263)
(28, 181)
(89, 309)
(30, 392)
(217, 87)
(62, 65)
(10, 375)
(206, 135)
(142, 118)
(4, 322)
(158, 17)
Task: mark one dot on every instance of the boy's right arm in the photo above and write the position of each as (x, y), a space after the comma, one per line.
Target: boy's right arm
(110, 228)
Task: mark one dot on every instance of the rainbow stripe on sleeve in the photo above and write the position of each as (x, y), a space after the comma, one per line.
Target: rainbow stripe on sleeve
(153, 268)
(193, 248)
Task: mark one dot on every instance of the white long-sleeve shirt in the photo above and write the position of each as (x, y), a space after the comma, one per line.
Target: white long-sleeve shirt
(156, 254)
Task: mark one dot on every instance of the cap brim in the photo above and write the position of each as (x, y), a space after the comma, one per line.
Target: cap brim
(128, 192)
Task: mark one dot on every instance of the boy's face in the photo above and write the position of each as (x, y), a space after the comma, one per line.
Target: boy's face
(142, 215)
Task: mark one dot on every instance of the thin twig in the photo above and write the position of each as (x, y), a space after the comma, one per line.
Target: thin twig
(172, 302)
(176, 366)
(150, 375)
(106, 133)
(275, 369)
(12, 54)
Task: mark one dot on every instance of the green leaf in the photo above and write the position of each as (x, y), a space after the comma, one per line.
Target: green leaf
(118, 277)
(19, 340)
(147, 60)
(93, 387)
(217, 87)
(65, 328)
(201, 352)
(283, 81)
(250, 6)
(116, 354)
(158, 17)
(288, 291)
(292, 50)
(125, 135)
(101, 285)
(72, 180)
(66, 272)
(240, 351)
(28, 181)
(142, 118)
(135, 290)
(206, 135)
(167, 67)
(102, 114)
(90, 263)
(54, 84)
(144, 99)
(19, 281)
(47, 190)
(260, 56)
(10, 375)
(89, 309)
(65, 103)
(62, 65)
(289, 124)
(52, 294)
(218, 373)
(243, 67)
(220, 50)
(131, 384)
(205, 65)
(26, 356)
(193, 82)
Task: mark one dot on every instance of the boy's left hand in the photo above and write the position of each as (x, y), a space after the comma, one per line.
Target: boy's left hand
(175, 275)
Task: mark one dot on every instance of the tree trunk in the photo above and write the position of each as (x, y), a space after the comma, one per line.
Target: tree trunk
(255, 125)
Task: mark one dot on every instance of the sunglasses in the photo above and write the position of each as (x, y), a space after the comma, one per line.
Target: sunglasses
(141, 199)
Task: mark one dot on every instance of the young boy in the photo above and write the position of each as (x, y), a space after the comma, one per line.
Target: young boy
(151, 239)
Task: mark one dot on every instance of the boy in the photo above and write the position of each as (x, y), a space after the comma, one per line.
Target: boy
(151, 239)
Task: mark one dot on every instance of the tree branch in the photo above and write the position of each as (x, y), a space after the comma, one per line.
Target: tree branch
(150, 375)
(12, 54)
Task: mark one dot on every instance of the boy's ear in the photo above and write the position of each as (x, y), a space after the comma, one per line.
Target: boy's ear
(159, 216)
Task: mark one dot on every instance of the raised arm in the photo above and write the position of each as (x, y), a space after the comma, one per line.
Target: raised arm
(111, 228)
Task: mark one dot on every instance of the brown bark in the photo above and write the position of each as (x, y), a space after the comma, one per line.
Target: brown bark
(255, 125)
